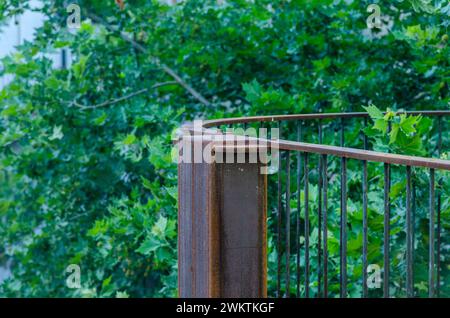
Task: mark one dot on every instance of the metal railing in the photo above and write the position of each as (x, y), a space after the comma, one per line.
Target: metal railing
(219, 204)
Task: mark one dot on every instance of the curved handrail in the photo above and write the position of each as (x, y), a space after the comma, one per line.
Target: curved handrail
(252, 119)
(351, 153)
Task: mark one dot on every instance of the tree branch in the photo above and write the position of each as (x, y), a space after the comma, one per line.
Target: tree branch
(123, 98)
(155, 60)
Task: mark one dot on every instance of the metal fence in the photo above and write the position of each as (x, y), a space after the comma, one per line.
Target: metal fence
(224, 222)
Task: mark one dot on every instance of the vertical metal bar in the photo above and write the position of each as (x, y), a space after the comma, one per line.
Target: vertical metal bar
(319, 210)
(413, 221)
(306, 194)
(409, 234)
(365, 229)
(438, 238)
(431, 239)
(439, 135)
(288, 221)
(366, 142)
(279, 221)
(324, 224)
(297, 232)
(64, 59)
(387, 181)
(343, 223)
(365, 293)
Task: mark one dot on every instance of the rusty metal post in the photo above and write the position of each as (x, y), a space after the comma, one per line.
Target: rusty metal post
(222, 211)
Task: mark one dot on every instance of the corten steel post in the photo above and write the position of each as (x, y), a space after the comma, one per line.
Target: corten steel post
(221, 225)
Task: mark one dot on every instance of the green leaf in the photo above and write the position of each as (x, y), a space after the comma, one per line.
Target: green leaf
(149, 245)
(57, 133)
(407, 124)
(129, 139)
(374, 112)
(173, 192)
(393, 133)
(100, 227)
(106, 282)
(80, 66)
(160, 227)
(120, 294)
(381, 125)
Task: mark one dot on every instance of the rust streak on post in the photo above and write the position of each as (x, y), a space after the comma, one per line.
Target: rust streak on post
(222, 228)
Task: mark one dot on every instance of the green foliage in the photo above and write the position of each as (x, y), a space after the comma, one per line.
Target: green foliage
(95, 186)
(397, 132)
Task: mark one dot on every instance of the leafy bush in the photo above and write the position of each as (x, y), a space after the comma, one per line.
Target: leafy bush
(85, 151)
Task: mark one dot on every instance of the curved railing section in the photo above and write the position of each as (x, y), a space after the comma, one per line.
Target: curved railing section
(302, 218)
(339, 150)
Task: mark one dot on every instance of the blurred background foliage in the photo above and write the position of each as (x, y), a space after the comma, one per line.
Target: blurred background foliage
(85, 170)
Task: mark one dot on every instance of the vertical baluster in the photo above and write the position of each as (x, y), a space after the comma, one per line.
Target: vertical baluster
(365, 216)
(324, 224)
(409, 234)
(288, 221)
(387, 181)
(431, 238)
(306, 193)
(343, 221)
(438, 238)
(413, 221)
(366, 142)
(365, 228)
(279, 221)
(297, 232)
(387, 217)
(319, 217)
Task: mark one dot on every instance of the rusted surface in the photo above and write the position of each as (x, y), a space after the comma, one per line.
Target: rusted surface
(243, 252)
(351, 153)
(198, 256)
(222, 230)
(358, 154)
(240, 120)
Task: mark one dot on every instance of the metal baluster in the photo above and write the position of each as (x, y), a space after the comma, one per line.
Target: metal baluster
(297, 232)
(288, 221)
(343, 219)
(306, 193)
(366, 142)
(387, 181)
(319, 236)
(279, 220)
(431, 239)
(413, 221)
(365, 229)
(324, 224)
(365, 217)
(438, 243)
(409, 235)
(343, 238)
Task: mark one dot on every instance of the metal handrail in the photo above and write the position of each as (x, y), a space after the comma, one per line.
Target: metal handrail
(216, 252)
(352, 153)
